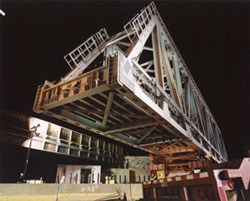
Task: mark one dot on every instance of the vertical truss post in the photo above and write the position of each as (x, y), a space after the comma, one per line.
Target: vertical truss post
(157, 58)
(187, 98)
(198, 107)
(177, 78)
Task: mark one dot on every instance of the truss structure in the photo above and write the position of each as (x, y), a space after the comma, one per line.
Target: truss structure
(142, 94)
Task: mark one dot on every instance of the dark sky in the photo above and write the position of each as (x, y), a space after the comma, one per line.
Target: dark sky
(212, 36)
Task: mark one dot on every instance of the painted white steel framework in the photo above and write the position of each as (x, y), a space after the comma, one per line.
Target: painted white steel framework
(143, 93)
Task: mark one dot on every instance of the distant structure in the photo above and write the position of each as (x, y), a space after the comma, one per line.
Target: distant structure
(78, 174)
(17, 129)
(134, 87)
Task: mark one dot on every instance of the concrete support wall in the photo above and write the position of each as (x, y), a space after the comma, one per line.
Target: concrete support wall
(70, 192)
(124, 176)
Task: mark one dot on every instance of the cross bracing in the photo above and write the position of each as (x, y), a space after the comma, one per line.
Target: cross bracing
(142, 94)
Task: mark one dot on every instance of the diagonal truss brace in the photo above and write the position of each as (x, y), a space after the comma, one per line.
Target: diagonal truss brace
(107, 109)
(147, 134)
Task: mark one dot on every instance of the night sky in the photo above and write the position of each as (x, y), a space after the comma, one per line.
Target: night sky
(212, 37)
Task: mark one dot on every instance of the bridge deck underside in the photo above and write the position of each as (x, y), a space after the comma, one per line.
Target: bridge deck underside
(115, 112)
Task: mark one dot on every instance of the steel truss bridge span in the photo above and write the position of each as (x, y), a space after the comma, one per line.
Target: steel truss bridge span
(141, 94)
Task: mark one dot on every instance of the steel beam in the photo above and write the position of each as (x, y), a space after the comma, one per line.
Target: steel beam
(169, 76)
(157, 58)
(95, 113)
(79, 119)
(128, 44)
(160, 142)
(147, 134)
(107, 109)
(130, 126)
(122, 107)
(75, 97)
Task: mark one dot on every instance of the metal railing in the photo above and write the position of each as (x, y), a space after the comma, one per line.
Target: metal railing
(134, 28)
(72, 87)
(85, 51)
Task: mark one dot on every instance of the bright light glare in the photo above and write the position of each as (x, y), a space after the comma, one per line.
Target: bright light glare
(2, 13)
